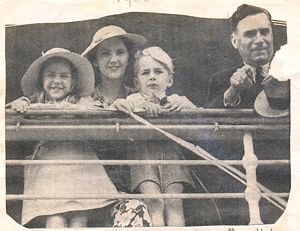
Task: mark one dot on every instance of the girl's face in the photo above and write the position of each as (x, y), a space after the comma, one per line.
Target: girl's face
(152, 77)
(112, 58)
(57, 80)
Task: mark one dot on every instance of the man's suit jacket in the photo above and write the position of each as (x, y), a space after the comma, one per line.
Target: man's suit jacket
(276, 178)
(220, 82)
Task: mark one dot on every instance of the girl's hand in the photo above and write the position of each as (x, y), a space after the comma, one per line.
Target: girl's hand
(178, 103)
(151, 109)
(123, 105)
(20, 105)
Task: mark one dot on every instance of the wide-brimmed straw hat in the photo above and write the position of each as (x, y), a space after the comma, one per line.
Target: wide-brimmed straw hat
(112, 31)
(274, 100)
(85, 74)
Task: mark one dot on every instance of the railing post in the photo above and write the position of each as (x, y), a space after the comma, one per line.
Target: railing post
(250, 165)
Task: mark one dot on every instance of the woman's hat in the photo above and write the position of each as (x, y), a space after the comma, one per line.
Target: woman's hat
(85, 74)
(274, 100)
(111, 32)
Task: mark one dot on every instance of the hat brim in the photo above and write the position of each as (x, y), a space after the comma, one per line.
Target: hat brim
(85, 74)
(262, 107)
(136, 39)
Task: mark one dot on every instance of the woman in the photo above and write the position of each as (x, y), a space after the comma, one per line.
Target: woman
(109, 53)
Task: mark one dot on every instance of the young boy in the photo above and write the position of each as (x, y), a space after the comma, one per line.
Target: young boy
(153, 71)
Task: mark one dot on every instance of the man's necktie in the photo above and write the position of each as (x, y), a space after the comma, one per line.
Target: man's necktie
(259, 77)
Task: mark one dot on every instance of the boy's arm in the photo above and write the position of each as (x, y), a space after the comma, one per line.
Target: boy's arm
(177, 103)
(125, 105)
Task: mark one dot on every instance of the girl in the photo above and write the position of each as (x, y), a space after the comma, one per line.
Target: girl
(153, 71)
(61, 78)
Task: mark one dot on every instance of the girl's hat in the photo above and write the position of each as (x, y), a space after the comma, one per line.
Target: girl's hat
(85, 74)
(111, 32)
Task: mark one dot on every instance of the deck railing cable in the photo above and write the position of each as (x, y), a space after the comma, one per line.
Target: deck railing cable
(235, 173)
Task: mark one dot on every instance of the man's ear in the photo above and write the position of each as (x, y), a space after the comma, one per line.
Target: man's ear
(136, 83)
(170, 81)
(234, 40)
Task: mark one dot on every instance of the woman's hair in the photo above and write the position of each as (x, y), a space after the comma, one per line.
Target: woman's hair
(158, 55)
(40, 95)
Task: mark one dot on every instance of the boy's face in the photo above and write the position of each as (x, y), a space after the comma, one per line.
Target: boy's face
(152, 77)
(112, 58)
(57, 80)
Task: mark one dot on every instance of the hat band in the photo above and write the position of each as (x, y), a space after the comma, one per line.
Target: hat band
(279, 103)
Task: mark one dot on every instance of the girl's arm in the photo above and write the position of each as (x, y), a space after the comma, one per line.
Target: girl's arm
(20, 105)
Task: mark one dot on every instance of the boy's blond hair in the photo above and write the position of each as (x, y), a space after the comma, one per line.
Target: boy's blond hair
(158, 55)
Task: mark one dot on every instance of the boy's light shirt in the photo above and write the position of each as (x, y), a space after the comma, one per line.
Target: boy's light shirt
(265, 70)
(137, 99)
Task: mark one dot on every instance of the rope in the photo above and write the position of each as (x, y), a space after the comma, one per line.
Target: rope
(235, 173)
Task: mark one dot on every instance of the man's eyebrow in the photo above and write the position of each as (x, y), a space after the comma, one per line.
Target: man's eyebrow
(250, 31)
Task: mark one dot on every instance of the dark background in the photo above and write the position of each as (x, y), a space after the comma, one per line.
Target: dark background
(199, 48)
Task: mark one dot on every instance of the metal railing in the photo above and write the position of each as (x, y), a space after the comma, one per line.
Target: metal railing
(198, 124)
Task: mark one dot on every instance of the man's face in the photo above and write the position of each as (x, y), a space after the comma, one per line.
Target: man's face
(253, 39)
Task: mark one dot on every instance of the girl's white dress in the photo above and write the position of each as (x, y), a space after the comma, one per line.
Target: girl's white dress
(63, 180)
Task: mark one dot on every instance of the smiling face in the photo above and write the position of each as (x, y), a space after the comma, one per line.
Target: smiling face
(112, 58)
(253, 39)
(152, 77)
(57, 79)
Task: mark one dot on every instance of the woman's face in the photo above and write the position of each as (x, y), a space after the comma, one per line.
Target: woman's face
(112, 58)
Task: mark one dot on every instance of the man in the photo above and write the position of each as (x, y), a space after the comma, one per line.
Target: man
(252, 36)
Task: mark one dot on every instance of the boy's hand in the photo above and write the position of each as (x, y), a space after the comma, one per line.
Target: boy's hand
(20, 105)
(178, 103)
(152, 109)
(123, 105)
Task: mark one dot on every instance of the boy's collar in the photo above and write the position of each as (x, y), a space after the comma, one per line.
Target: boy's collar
(158, 96)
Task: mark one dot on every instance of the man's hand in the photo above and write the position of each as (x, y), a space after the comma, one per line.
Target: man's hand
(241, 80)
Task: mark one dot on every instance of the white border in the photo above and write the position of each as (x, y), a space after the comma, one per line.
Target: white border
(34, 11)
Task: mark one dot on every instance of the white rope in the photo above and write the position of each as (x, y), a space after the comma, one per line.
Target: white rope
(235, 173)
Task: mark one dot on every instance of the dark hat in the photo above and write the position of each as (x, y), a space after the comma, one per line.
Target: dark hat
(274, 100)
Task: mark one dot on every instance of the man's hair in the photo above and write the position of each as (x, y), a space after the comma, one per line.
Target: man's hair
(243, 11)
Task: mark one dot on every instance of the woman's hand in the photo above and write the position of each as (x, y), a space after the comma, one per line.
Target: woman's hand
(178, 103)
(20, 105)
(123, 105)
